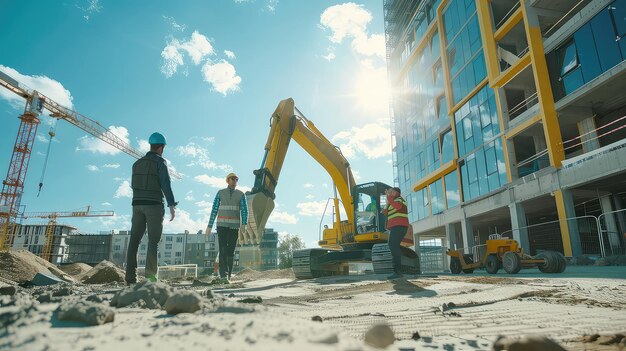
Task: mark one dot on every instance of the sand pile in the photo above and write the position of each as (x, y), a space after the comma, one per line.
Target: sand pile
(250, 274)
(21, 266)
(76, 270)
(103, 273)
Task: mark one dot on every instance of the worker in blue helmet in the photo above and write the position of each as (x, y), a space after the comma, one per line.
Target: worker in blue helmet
(150, 183)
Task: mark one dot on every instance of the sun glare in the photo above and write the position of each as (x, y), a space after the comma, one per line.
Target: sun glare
(371, 91)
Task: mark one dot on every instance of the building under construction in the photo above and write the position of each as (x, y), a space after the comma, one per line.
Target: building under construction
(508, 118)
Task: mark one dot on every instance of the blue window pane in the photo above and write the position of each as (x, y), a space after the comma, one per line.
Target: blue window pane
(471, 171)
(573, 81)
(465, 182)
(483, 185)
(479, 68)
(490, 160)
(452, 190)
(501, 165)
(447, 147)
(494, 113)
(485, 116)
(568, 58)
(604, 34)
(494, 181)
(587, 54)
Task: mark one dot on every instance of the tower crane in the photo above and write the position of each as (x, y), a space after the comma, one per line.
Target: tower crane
(46, 253)
(13, 185)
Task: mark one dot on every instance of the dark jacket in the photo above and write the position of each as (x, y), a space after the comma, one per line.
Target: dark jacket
(151, 181)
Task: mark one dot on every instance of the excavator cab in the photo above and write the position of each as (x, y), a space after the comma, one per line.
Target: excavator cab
(369, 200)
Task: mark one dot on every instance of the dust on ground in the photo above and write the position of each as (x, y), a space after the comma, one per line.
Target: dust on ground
(248, 274)
(400, 286)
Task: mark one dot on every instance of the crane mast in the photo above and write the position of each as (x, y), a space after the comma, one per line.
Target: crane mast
(13, 185)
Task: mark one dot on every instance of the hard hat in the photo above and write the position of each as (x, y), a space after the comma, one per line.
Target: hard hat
(156, 138)
(231, 175)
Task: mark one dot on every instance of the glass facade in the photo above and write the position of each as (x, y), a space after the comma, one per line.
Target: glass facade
(593, 49)
(425, 138)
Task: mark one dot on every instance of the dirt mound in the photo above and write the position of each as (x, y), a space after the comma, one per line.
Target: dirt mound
(251, 274)
(21, 266)
(104, 272)
(76, 270)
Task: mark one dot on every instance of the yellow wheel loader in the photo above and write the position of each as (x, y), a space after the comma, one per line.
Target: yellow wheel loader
(361, 237)
(505, 253)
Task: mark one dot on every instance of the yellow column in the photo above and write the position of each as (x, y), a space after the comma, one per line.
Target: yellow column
(560, 207)
(489, 44)
(544, 89)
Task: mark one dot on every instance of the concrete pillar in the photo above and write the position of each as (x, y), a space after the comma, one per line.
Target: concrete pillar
(519, 225)
(620, 216)
(450, 242)
(569, 228)
(610, 224)
(468, 234)
(590, 141)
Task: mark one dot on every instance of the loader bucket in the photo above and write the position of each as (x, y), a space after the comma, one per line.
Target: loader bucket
(260, 207)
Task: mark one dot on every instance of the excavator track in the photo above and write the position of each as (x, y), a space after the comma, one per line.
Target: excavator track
(304, 263)
(383, 263)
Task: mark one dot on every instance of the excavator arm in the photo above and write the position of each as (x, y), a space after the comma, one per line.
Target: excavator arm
(289, 123)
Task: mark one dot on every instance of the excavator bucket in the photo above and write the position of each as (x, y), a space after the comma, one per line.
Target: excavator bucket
(260, 207)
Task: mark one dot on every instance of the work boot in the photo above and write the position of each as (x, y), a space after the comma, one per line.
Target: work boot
(230, 261)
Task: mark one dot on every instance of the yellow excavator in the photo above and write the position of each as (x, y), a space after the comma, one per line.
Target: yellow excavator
(361, 237)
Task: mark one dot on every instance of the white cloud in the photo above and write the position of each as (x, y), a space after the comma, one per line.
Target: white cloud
(89, 7)
(270, 6)
(106, 204)
(175, 26)
(350, 21)
(200, 157)
(189, 196)
(310, 196)
(330, 56)
(307, 185)
(124, 190)
(115, 222)
(93, 168)
(143, 145)
(279, 217)
(222, 76)
(345, 20)
(313, 208)
(47, 86)
(356, 175)
(95, 145)
(229, 54)
(215, 182)
(111, 165)
(172, 58)
(197, 48)
(183, 221)
(373, 140)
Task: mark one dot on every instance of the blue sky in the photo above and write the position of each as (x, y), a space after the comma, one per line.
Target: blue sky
(208, 75)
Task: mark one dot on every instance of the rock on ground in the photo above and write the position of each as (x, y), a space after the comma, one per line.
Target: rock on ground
(21, 266)
(380, 335)
(523, 344)
(104, 272)
(183, 302)
(76, 270)
(146, 295)
(90, 313)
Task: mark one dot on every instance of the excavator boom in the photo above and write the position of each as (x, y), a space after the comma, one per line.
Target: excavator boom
(289, 123)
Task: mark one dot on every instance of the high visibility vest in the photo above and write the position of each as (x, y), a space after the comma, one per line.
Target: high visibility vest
(393, 213)
(228, 214)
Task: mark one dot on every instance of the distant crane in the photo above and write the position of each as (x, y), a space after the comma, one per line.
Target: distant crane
(13, 185)
(46, 253)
